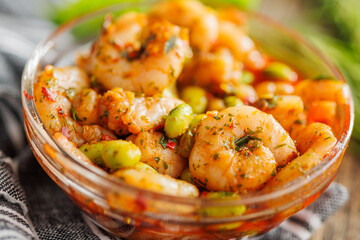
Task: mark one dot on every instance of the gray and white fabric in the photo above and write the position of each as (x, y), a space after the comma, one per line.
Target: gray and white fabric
(32, 206)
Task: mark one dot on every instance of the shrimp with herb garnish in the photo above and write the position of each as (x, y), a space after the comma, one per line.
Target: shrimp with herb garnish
(314, 141)
(123, 112)
(54, 92)
(138, 53)
(238, 149)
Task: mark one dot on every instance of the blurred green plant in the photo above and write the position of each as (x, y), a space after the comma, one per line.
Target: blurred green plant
(334, 27)
(70, 9)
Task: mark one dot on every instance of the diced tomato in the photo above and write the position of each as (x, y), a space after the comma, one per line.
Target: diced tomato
(50, 95)
(170, 144)
(28, 96)
(65, 132)
(105, 137)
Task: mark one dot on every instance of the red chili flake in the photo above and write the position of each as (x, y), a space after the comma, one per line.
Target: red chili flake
(231, 126)
(50, 95)
(61, 111)
(65, 132)
(246, 152)
(246, 101)
(159, 126)
(28, 96)
(105, 137)
(140, 202)
(170, 144)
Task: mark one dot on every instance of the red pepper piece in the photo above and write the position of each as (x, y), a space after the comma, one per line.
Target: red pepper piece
(50, 95)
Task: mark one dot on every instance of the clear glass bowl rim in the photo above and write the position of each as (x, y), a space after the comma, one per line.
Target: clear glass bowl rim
(249, 198)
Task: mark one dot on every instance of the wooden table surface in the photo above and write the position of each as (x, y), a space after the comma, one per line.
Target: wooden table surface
(345, 223)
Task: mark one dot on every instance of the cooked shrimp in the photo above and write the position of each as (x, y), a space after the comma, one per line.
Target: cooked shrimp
(191, 14)
(316, 90)
(86, 107)
(138, 53)
(212, 70)
(122, 112)
(240, 45)
(157, 182)
(285, 109)
(219, 163)
(53, 92)
(71, 149)
(314, 141)
(166, 161)
(95, 133)
(274, 88)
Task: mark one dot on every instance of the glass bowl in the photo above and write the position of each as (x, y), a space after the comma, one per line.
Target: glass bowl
(134, 213)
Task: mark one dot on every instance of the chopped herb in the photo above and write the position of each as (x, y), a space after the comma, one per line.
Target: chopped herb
(70, 93)
(245, 139)
(75, 115)
(94, 81)
(157, 159)
(165, 164)
(299, 121)
(274, 172)
(172, 71)
(280, 145)
(163, 141)
(216, 117)
(216, 156)
(326, 138)
(170, 44)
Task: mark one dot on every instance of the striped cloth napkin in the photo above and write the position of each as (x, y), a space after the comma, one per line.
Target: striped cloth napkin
(32, 206)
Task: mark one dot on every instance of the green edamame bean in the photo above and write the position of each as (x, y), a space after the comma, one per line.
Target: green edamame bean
(178, 120)
(280, 71)
(119, 153)
(93, 152)
(196, 98)
(187, 139)
(223, 211)
(233, 101)
(247, 77)
(186, 176)
(196, 121)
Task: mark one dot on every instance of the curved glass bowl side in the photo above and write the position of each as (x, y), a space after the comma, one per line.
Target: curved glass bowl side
(116, 206)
